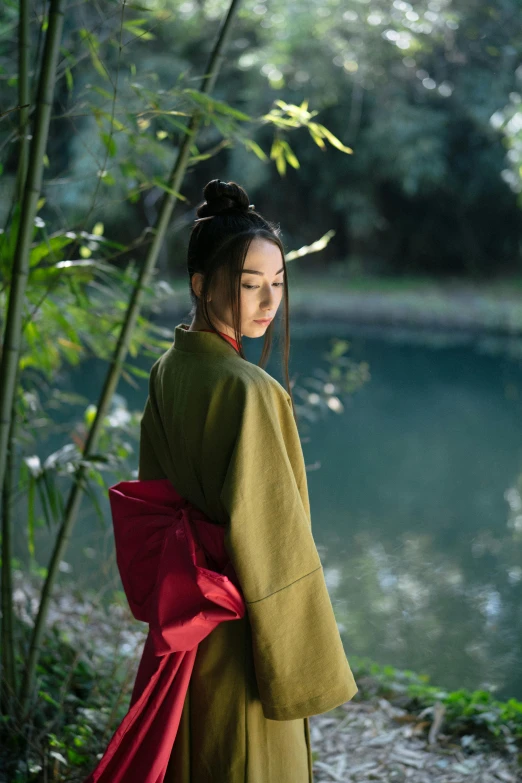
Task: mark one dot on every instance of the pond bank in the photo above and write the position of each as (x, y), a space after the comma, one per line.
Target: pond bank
(415, 303)
(397, 728)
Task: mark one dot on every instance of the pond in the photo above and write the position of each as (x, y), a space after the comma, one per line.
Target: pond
(415, 492)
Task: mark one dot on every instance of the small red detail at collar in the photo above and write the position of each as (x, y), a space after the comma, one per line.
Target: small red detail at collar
(226, 336)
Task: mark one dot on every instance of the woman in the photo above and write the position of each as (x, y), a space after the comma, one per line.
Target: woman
(223, 431)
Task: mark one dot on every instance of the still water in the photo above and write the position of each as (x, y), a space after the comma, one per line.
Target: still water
(415, 491)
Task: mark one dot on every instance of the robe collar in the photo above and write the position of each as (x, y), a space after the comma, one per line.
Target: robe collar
(203, 341)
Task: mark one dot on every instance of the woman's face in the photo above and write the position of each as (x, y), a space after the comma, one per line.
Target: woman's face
(262, 281)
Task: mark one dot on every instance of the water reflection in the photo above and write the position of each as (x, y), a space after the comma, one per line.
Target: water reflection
(416, 608)
(416, 505)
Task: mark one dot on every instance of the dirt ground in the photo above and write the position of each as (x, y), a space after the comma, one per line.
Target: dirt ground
(373, 740)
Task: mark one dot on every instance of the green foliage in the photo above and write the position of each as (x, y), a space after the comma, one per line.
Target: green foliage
(323, 392)
(496, 722)
(74, 308)
(73, 313)
(79, 702)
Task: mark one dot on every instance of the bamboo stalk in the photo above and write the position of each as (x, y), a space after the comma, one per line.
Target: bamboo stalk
(8, 681)
(29, 185)
(32, 190)
(8, 684)
(23, 97)
(120, 353)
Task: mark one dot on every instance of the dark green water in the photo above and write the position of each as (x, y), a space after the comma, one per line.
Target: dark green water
(415, 497)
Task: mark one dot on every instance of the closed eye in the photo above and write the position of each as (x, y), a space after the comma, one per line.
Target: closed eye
(256, 286)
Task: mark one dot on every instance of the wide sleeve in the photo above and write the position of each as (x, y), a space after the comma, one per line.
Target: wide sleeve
(300, 665)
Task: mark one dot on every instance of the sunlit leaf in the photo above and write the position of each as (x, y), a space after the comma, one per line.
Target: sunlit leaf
(289, 155)
(334, 141)
(315, 247)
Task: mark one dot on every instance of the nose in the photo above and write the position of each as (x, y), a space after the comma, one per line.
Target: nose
(268, 299)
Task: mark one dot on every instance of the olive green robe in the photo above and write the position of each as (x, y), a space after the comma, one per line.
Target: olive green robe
(221, 429)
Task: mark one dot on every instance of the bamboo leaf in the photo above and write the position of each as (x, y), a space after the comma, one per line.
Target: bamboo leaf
(137, 371)
(69, 344)
(289, 155)
(97, 476)
(98, 66)
(275, 148)
(103, 241)
(179, 125)
(43, 502)
(110, 144)
(316, 135)
(108, 179)
(102, 92)
(129, 24)
(200, 157)
(48, 247)
(48, 698)
(48, 479)
(114, 122)
(8, 240)
(89, 491)
(211, 104)
(163, 185)
(281, 165)
(69, 79)
(30, 514)
(254, 146)
(334, 141)
(282, 122)
(143, 35)
(277, 154)
(125, 375)
(316, 246)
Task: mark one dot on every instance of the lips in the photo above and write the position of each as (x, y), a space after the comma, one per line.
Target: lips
(262, 320)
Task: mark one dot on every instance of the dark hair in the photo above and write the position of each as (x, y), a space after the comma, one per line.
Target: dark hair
(225, 226)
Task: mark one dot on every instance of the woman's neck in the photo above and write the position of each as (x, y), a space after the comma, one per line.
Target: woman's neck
(198, 326)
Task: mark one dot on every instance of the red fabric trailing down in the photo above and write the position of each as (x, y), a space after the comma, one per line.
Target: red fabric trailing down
(177, 578)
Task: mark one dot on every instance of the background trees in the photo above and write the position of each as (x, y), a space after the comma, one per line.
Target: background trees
(427, 94)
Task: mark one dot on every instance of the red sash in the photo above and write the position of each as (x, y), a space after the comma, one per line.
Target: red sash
(177, 578)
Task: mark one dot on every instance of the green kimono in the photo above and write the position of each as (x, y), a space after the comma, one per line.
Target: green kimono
(221, 429)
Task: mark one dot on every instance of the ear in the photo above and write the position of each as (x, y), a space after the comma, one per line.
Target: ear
(197, 285)
(196, 282)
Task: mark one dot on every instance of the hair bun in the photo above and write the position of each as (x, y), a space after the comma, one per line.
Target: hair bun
(221, 196)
